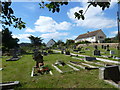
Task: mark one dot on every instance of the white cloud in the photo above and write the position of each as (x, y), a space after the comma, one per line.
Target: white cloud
(29, 30)
(0, 29)
(94, 18)
(31, 6)
(47, 24)
(72, 37)
(114, 32)
(22, 36)
(55, 35)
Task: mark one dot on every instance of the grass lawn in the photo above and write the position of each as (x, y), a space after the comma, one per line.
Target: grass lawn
(21, 70)
(103, 52)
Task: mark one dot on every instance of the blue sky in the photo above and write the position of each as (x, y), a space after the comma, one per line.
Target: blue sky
(62, 25)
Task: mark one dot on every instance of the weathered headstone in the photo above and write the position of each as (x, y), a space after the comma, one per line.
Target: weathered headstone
(97, 53)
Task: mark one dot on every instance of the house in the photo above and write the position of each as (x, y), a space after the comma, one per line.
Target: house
(50, 43)
(94, 36)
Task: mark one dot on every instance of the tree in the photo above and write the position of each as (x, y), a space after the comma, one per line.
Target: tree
(8, 42)
(69, 42)
(55, 6)
(36, 41)
(8, 18)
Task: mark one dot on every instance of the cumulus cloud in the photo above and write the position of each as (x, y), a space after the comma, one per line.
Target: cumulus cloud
(55, 35)
(29, 30)
(72, 37)
(22, 36)
(94, 17)
(47, 24)
(114, 32)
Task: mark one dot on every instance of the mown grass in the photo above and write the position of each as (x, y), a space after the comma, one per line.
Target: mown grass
(21, 70)
(103, 52)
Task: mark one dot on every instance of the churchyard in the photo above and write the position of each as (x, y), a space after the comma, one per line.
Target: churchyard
(81, 69)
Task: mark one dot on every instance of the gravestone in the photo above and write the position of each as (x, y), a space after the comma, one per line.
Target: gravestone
(118, 48)
(96, 47)
(112, 52)
(74, 47)
(67, 52)
(14, 53)
(89, 58)
(102, 46)
(107, 48)
(79, 49)
(110, 73)
(62, 51)
(87, 49)
(38, 58)
(97, 53)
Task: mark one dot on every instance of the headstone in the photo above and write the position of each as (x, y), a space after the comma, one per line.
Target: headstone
(118, 48)
(112, 52)
(97, 53)
(102, 46)
(38, 58)
(105, 47)
(62, 52)
(89, 58)
(87, 49)
(95, 47)
(14, 53)
(67, 52)
(74, 47)
(110, 73)
(79, 48)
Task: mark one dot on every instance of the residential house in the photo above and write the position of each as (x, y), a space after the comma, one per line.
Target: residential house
(94, 36)
(50, 43)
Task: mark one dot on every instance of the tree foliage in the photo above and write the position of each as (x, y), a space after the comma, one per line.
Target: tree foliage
(8, 17)
(55, 6)
(8, 42)
(36, 41)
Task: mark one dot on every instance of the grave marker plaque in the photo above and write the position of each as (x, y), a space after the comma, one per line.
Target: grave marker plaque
(89, 58)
